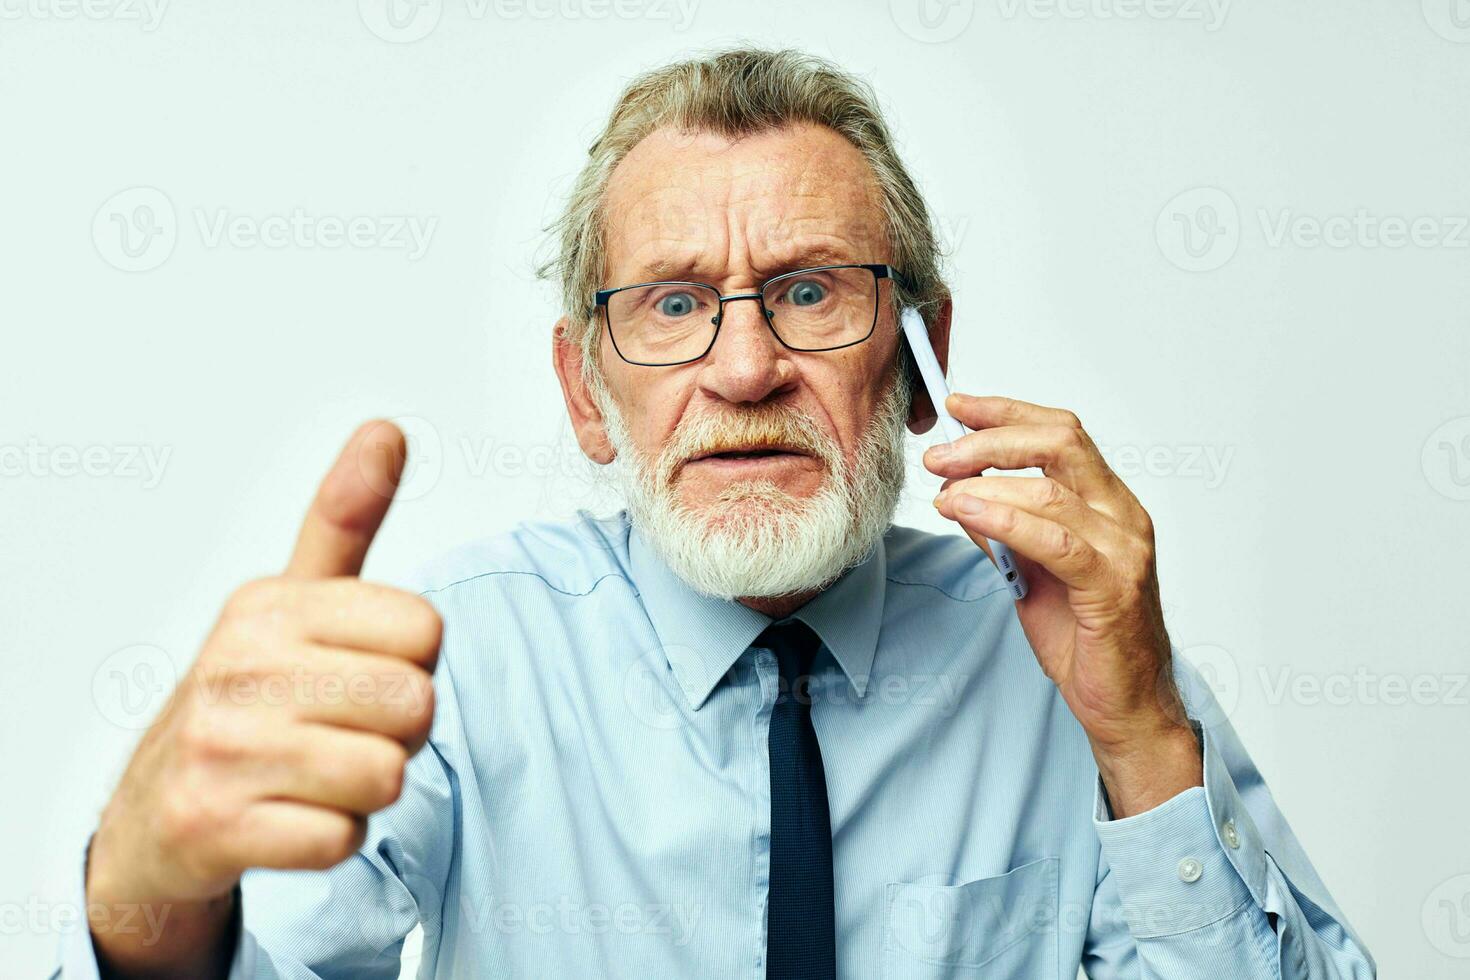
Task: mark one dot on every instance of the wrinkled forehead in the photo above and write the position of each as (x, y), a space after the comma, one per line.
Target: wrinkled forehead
(701, 206)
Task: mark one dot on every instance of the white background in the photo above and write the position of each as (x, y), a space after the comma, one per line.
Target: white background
(1325, 544)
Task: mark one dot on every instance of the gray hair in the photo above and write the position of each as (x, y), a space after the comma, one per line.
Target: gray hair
(736, 93)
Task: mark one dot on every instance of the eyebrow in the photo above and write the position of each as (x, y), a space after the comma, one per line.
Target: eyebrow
(662, 269)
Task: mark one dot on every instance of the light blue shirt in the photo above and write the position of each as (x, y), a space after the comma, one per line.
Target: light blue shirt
(594, 800)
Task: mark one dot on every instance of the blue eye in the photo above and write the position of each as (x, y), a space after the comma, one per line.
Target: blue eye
(806, 293)
(676, 304)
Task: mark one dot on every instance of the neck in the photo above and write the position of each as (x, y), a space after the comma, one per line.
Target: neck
(781, 606)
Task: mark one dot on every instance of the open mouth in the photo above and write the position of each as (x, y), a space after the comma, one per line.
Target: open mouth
(739, 454)
(765, 452)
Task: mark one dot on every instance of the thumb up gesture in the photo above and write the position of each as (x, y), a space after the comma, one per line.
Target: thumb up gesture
(296, 721)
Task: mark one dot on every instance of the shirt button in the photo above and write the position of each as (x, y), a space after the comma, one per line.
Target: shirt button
(1190, 869)
(1231, 837)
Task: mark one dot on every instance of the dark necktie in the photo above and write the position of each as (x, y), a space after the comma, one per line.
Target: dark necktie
(800, 930)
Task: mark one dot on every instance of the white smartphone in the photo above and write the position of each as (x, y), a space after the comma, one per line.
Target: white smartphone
(917, 336)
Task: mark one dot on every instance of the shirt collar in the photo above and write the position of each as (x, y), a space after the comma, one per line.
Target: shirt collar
(703, 637)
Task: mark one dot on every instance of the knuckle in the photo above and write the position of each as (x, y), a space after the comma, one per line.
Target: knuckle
(193, 810)
(201, 741)
(1004, 519)
(386, 774)
(338, 839)
(426, 623)
(1050, 493)
(1070, 420)
(416, 622)
(181, 819)
(419, 710)
(258, 597)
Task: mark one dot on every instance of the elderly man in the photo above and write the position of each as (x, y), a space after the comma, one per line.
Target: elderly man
(745, 727)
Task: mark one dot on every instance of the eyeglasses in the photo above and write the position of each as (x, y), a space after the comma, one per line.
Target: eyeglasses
(660, 324)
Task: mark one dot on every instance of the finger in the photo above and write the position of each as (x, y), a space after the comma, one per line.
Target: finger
(348, 612)
(1043, 497)
(350, 504)
(288, 834)
(989, 411)
(1061, 452)
(1059, 550)
(368, 693)
(352, 771)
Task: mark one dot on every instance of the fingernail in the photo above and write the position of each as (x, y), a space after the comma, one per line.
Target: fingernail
(969, 505)
(941, 452)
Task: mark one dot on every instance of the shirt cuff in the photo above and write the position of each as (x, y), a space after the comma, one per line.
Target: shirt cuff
(1190, 861)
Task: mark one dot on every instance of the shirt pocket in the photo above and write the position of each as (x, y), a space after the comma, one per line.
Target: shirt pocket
(994, 928)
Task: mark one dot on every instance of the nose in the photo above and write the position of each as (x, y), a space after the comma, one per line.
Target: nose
(747, 362)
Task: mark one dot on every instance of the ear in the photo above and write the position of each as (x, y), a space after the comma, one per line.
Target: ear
(566, 357)
(921, 413)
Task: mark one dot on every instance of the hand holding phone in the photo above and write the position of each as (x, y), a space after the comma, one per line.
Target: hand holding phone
(917, 335)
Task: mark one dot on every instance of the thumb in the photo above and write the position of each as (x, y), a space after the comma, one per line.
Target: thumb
(350, 504)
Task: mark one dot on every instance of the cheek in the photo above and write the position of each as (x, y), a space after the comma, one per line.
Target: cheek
(650, 408)
(849, 391)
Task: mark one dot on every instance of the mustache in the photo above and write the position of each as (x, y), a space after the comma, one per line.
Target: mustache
(763, 426)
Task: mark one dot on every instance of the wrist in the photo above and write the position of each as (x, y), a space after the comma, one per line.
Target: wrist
(137, 932)
(1140, 774)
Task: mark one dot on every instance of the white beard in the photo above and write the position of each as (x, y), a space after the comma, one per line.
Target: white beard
(756, 540)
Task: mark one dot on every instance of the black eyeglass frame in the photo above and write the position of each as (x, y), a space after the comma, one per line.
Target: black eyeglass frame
(878, 269)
